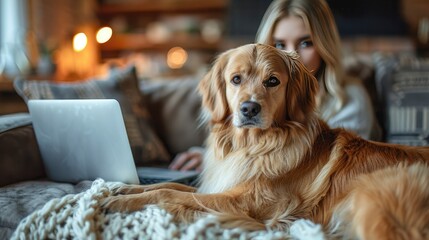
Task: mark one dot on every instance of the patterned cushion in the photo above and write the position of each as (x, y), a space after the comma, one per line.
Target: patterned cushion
(403, 86)
(121, 85)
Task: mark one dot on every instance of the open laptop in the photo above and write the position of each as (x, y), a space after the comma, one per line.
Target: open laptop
(86, 139)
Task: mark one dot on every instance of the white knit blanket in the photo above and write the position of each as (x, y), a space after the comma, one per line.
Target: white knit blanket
(80, 216)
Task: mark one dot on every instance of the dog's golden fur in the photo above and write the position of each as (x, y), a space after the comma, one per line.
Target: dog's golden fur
(270, 160)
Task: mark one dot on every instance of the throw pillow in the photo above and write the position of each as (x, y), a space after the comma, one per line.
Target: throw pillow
(20, 156)
(122, 85)
(403, 86)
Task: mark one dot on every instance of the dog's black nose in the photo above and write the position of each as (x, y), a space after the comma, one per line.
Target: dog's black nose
(250, 109)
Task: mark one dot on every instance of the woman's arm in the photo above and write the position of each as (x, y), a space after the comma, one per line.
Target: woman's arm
(189, 160)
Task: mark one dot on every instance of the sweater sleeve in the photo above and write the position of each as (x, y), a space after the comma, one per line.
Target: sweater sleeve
(357, 113)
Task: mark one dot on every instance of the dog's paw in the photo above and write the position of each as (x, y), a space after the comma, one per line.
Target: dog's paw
(113, 204)
(123, 203)
(135, 189)
(129, 189)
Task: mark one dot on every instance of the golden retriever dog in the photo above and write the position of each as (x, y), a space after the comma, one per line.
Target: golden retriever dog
(270, 160)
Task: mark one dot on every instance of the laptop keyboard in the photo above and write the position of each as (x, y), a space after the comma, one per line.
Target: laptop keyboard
(147, 181)
(153, 175)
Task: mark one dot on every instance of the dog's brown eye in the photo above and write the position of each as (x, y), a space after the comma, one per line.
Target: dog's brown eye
(272, 82)
(236, 80)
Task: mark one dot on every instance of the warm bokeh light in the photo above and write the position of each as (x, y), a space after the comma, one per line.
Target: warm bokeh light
(176, 57)
(104, 34)
(79, 42)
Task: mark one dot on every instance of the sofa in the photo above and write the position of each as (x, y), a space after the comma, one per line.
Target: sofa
(154, 138)
(161, 118)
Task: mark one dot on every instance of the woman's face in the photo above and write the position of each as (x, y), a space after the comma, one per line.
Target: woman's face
(291, 34)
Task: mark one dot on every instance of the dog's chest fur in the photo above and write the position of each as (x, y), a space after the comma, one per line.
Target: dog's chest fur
(269, 156)
(220, 176)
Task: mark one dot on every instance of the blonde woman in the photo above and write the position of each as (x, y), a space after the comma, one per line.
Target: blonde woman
(308, 28)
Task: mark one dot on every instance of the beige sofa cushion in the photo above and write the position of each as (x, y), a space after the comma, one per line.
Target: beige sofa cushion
(175, 109)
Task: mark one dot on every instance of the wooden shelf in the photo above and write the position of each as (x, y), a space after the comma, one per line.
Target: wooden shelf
(10, 101)
(170, 6)
(6, 85)
(136, 41)
(137, 16)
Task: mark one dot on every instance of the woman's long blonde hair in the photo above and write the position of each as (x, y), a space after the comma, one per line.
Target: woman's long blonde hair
(318, 17)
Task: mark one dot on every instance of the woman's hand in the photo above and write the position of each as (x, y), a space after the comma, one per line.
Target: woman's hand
(189, 160)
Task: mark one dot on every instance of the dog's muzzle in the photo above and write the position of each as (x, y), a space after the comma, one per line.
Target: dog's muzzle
(250, 109)
(250, 115)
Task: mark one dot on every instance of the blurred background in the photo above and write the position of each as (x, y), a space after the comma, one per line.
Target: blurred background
(68, 40)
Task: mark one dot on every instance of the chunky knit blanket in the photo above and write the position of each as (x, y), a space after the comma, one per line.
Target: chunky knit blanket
(80, 216)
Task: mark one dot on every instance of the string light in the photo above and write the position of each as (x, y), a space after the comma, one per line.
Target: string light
(104, 34)
(79, 42)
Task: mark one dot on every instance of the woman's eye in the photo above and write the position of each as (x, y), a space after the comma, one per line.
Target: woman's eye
(236, 80)
(305, 44)
(279, 45)
(271, 82)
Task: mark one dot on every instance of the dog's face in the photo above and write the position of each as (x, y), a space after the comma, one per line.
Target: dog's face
(258, 86)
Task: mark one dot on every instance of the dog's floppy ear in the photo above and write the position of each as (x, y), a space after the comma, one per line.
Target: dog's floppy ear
(301, 90)
(213, 91)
